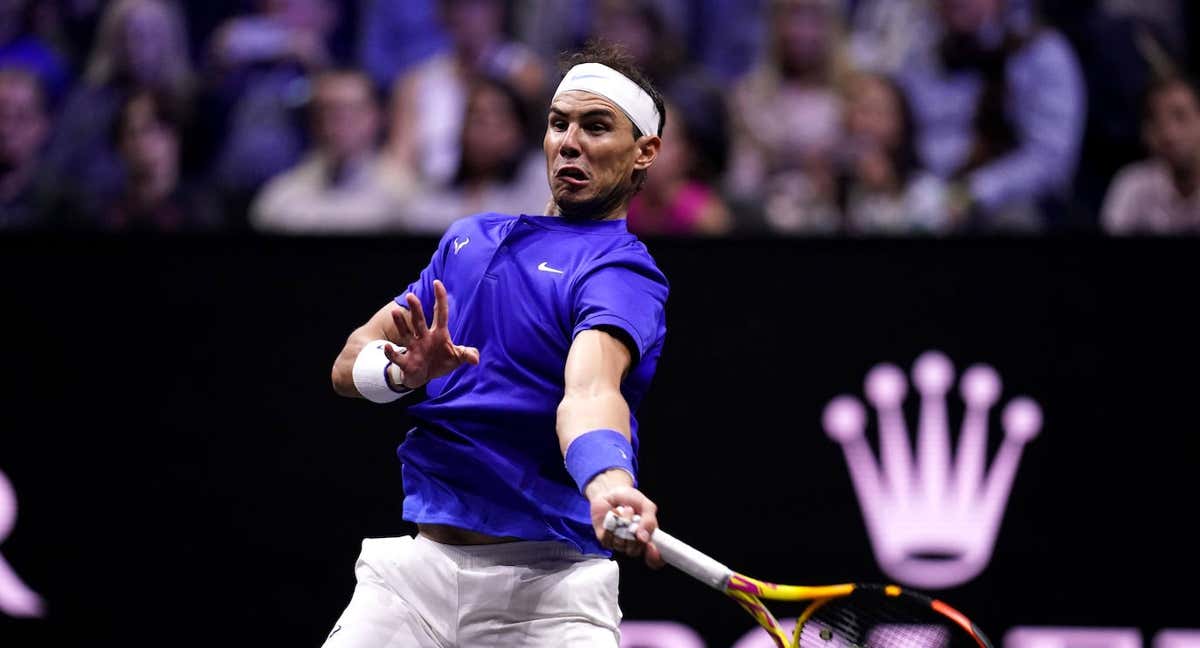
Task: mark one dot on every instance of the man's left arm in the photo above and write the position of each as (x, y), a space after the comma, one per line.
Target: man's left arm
(1049, 102)
(594, 435)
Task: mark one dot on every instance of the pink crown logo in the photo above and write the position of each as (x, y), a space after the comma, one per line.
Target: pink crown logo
(932, 517)
(16, 599)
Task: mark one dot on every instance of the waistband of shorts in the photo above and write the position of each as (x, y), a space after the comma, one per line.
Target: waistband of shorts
(520, 552)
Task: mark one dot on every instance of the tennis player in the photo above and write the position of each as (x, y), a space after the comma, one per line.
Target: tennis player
(545, 334)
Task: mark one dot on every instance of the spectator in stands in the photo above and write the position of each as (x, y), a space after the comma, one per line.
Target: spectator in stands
(430, 100)
(154, 197)
(644, 29)
(21, 47)
(680, 197)
(884, 33)
(24, 127)
(1161, 195)
(397, 36)
(726, 36)
(261, 66)
(999, 106)
(882, 186)
(500, 169)
(141, 45)
(341, 186)
(786, 116)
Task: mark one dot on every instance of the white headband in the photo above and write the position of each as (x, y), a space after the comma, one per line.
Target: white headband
(616, 87)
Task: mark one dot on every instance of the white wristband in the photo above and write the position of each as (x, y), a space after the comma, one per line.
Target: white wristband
(371, 370)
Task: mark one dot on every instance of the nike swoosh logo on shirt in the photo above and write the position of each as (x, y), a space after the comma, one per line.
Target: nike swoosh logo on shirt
(458, 246)
(545, 268)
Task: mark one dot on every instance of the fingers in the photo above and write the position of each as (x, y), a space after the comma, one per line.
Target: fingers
(441, 305)
(419, 327)
(620, 541)
(641, 524)
(654, 559)
(634, 500)
(400, 319)
(394, 355)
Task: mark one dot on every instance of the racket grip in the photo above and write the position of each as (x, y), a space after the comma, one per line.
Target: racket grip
(691, 561)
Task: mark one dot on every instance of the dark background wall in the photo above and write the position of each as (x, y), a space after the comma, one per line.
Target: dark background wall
(186, 476)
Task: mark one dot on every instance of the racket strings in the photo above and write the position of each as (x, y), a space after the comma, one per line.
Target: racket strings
(871, 620)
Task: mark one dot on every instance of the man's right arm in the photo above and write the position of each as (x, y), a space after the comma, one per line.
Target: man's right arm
(381, 326)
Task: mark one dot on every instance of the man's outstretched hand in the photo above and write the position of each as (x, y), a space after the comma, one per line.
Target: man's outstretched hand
(430, 351)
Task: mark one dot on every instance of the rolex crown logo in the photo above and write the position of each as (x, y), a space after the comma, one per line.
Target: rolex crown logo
(932, 516)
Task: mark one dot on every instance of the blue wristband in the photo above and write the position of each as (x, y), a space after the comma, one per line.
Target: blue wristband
(592, 453)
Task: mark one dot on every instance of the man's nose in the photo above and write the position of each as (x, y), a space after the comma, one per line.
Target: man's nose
(569, 147)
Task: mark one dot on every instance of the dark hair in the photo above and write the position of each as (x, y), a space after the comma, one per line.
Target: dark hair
(165, 109)
(615, 57)
(520, 109)
(904, 158)
(1160, 84)
(702, 114)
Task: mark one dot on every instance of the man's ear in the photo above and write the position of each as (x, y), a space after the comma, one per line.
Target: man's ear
(648, 147)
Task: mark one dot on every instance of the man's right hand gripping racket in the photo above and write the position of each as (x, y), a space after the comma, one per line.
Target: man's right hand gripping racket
(851, 615)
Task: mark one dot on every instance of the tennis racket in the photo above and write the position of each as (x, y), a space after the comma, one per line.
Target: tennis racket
(849, 615)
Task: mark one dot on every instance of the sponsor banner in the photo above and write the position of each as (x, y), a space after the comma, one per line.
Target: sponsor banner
(1006, 423)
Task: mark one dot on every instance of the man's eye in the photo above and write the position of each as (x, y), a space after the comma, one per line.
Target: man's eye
(597, 127)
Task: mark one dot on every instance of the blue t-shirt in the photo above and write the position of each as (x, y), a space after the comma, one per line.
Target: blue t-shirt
(484, 454)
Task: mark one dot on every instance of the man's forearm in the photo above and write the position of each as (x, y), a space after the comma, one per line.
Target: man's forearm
(343, 367)
(580, 414)
(379, 327)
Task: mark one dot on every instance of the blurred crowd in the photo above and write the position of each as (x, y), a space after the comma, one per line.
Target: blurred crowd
(796, 117)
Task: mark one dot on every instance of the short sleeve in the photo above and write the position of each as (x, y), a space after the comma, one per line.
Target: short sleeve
(423, 286)
(624, 290)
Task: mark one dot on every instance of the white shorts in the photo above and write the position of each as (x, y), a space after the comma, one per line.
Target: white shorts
(417, 592)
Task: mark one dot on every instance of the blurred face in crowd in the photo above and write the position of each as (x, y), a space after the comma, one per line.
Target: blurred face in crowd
(619, 21)
(803, 31)
(315, 16)
(146, 41)
(672, 163)
(475, 22)
(346, 119)
(968, 16)
(149, 145)
(492, 132)
(873, 113)
(591, 154)
(1173, 129)
(23, 121)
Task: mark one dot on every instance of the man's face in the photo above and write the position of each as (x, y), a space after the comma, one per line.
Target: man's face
(150, 147)
(873, 113)
(473, 21)
(591, 153)
(493, 132)
(23, 122)
(1173, 131)
(346, 120)
(802, 32)
(968, 16)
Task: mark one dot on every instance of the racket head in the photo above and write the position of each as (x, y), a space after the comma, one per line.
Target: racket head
(885, 616)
